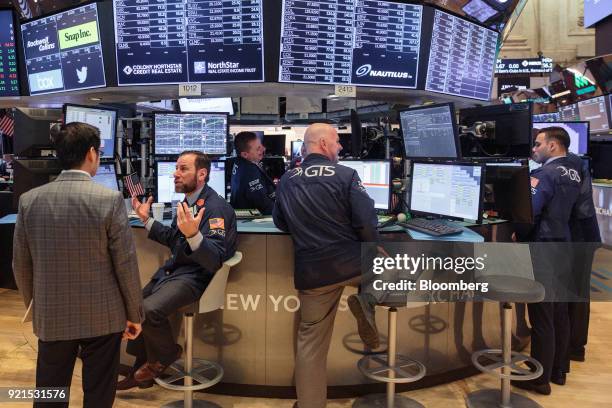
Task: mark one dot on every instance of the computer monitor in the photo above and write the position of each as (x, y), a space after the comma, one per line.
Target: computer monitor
(430, 132)
(296, 148)
(504, 131)
(274, 167)
(31, 173)
(274, 144)
(547, 117)
(448, 190)
(177, 132)
(356, 135)
(508, 191)
(375, 176)
(32, 131)
(207, 105)
(102, 118)
(569, 113)
(595, 111)
(601, 163)
(577, 131)
(106, 176)
(165, 180)
(347, 146)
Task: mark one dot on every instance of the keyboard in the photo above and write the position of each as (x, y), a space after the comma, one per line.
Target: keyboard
(248, 213)
(430, 227)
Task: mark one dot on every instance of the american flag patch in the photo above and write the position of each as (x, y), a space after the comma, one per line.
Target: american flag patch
(217, 223)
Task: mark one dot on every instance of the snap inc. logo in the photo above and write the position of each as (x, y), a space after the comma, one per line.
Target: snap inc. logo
(363, 70)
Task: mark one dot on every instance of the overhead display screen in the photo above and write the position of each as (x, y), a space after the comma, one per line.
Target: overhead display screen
(595, 112)
(462, 57)
(175, 41)
(63, 51)
(176, 132)
(9, 84)
(361, 42)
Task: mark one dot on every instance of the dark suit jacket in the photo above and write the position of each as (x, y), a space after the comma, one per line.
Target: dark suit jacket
(74, 255)
(218, 227)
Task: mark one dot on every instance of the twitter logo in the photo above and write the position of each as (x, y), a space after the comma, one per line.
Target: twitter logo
(82, 74)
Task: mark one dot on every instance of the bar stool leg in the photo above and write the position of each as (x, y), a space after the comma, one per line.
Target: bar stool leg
(507, 354)
(391, 355)
(188, 381)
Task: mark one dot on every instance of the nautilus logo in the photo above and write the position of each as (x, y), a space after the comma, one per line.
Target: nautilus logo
(363, 70)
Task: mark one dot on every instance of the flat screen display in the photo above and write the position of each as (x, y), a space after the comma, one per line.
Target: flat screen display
(577, 131)
(163, 42)
(429, 132)
(547, 117)
(165, 180)
(63, 51)
(595, 111)
(569, 113)
(375, 177)
(103, 119)
(176, 132)
(207, 105)
(462, 57)
(9, 84)
(596, 10)
(274, 144)
(361, 42)
(106, 176)
(449, 190)
(296, 148)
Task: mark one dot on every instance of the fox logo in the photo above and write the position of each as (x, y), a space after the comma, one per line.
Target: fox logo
(82, 74)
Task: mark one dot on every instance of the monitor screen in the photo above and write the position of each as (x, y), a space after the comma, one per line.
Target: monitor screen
(103, 119)
(63, 52)
(296, 149)
(595, 11)
(106, 176)
(429, 131)
(376, 178)
(207, 105)
(9, 84)
(179, 41)
(508, 191)
(569, 113)
(480, 10)
(176, 132)
(462, 57)
(450, 190)
(165, 180)
(274, 144)
(595, 112)
(547, 117)
(354, 42)
(577, 131)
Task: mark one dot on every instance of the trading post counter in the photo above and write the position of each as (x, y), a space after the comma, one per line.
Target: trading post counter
(254, 336)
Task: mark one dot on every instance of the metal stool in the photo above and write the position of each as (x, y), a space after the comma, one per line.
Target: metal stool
(505, 365)
(391, 369)
(190, 368)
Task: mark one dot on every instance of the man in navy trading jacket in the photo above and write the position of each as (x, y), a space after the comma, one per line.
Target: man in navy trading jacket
(555, 189)
(202, 236)
(251, 186)
(329, 214)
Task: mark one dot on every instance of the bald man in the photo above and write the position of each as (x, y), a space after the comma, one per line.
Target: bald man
(329, 214)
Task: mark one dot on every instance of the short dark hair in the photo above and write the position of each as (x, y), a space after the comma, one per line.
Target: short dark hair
(202, 161)
(557, 133)
(73, 141)
(242, 140)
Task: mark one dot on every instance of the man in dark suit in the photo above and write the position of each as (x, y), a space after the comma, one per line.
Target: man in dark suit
(202, 236)
(74, 257)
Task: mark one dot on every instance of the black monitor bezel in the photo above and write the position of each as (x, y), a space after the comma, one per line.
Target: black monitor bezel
(168, 160)
(454, 163)
(390, 195)
(66, 105)
(455, 131)
(588, 124)
(172, 155)
(284, 137)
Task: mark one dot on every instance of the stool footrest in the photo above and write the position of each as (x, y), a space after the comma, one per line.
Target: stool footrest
(405, 370)
(492, 399)
(497, 363)
(206, 373)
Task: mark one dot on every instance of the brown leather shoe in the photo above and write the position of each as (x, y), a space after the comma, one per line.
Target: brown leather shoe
(130, 382)
(150, 371)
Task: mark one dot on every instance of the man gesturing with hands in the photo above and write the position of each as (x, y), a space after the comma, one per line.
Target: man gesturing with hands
(201, 237)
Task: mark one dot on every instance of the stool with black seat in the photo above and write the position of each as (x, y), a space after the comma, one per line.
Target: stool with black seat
(392, 368)
(505, 363)
(205, 373)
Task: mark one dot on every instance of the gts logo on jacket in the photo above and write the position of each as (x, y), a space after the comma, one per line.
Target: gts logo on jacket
(314, 171)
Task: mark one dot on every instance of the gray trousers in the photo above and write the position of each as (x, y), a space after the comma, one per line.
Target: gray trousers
(318, 309)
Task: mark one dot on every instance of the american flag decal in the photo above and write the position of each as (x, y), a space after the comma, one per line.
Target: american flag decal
(7, 125)
(133, 184)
